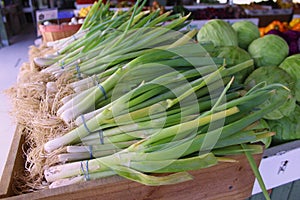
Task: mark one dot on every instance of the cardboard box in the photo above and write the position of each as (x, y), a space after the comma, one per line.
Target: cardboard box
(223, 181)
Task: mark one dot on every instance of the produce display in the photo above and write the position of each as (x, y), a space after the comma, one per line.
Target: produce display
(228, 12)
(290, 32)
(261, 5)
(72, 21)
(83, 12)
(133, 95)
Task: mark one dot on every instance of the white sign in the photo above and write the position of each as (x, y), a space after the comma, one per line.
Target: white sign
(47, 14)
(279, 169)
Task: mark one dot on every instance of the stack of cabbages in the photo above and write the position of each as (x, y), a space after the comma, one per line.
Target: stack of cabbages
(240, 41)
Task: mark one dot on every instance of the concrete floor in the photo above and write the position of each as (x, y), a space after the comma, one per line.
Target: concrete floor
(11, 58)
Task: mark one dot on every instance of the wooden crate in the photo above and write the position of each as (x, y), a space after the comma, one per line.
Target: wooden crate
(56, 32)
(223, 181)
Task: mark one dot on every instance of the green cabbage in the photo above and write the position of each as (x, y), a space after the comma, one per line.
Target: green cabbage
(247, 31)
(234, 55)
(269, 50)
(292, 66)
(287, 128)
(219, 32)
(270, 75)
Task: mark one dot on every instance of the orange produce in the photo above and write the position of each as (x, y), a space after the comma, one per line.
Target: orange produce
(277, 25)
(296, 27)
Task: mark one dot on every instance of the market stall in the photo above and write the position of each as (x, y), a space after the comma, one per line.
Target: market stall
(138, 104)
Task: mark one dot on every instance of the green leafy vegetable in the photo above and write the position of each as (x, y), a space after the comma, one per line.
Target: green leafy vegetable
(269, 50)
(287, 128)
(247, 31)
(234, 55)
(292, 66)
(219, 32)
(270, 75)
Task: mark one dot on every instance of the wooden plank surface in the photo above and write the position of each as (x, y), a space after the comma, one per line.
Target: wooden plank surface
(12, 166)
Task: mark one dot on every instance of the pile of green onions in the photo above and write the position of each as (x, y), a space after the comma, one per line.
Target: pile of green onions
(116, 46)
(149, 99)
(191, 141)
(191, 108)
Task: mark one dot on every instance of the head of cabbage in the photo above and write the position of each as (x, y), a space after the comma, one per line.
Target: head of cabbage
(269, 50)
(234, 55)
(247, 31)
(287, 128)
(219, 32)
(291, 65)
(271, 75)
